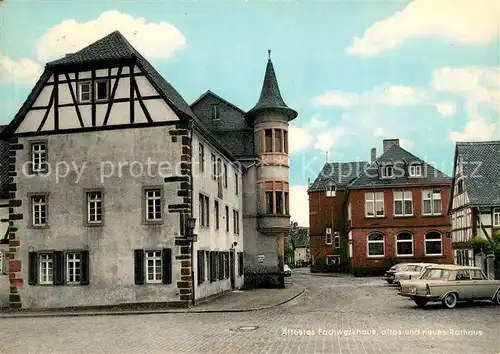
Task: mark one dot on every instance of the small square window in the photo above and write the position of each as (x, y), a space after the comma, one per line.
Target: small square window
(415, 171)
(85, 91)
(387, 172)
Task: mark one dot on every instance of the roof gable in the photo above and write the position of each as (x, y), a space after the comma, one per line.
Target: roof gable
(400, 159)
(481, 171)
(218, 98)
(338, 173)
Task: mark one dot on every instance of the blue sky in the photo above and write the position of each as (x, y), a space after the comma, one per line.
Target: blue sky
(357, 72)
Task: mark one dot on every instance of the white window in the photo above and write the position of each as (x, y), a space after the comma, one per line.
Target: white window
(206, 269)
(415, 170)
(236, 222)
(84, 91)
(46, 268)
(496, 217)
(215, 111)
(431, 201)
(374, 204)
(336, 239)
(39, 210)
(387, 172)
(94, 207)
(333, 260)
(73, 268)
(201, 157)
(433, 244)
(38, 157)
(153, 204)
(375, 245)
(101, 90)
(328, 238)
(204, 210)
(153, 266)
(331, 191)
(404, 244)
(403, 203)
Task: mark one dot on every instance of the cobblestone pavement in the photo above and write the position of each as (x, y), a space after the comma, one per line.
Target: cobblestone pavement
(375, 320)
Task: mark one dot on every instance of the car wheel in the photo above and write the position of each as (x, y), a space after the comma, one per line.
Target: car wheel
(497, 298)
(420, 302)
(390, 281)
(450, 300)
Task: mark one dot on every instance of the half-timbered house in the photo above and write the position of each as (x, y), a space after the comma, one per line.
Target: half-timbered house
(107, 167)
(475, 196)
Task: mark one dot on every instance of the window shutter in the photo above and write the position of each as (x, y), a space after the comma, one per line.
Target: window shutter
(200, 267)
(212, 266)
(241, 263)
(85, 269)
(139, 267)
(166, 255)
(227, 265)
(221, 265)
(58, 268)
(33, 268)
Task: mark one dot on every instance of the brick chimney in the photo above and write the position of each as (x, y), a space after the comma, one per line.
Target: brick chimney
(390, 142)
(373, 155)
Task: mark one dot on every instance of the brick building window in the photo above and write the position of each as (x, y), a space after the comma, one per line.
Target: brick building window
(374, 204)
(496, 217)
(274, 140)
(433, 244)
(328, 236)
(404, 244)
(431, 199)
(336, 239)
(277, 198)
(403, 203)
(333, 260)
(375, 245)
(331, 190)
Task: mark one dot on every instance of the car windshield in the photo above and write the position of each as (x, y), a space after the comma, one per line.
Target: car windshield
(413, 268)
(436, 274)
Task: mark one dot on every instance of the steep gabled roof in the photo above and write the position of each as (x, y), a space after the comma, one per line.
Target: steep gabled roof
(270, 95)
(4, 167)
(401, 159)
(210, 93)
(338, 173)
(481, 171)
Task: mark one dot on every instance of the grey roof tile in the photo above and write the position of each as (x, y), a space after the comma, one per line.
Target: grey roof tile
(481, 171)
(400, 159)
(4, 167)
(338, 173)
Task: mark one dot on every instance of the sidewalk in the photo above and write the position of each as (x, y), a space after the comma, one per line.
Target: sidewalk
(232, 301)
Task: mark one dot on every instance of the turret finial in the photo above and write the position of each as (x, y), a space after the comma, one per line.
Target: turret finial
(269, 53)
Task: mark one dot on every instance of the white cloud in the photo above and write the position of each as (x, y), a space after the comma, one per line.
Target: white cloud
(445, 109)
(299, 205)
(23, 71)
(335, 99)
(379, 132)
(406, 144)
(298, 139)
(475, 130)
(461, 21)
(154, 40)
(394, 95)
(327, 139)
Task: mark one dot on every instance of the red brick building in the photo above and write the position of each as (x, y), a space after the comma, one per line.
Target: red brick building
(327, 216)
(393, 210)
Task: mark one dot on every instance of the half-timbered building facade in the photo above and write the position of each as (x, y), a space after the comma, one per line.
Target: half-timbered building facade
(475, 198)
(106, 165)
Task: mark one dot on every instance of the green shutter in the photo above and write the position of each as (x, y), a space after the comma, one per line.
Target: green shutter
(85, 269)
(139, 273)
(33, 268)
(166, 255)
(58, 265)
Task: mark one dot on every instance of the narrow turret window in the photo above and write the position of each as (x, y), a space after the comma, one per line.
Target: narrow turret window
(268, 141)
(277, 199)
(285, 141)
(277, 141)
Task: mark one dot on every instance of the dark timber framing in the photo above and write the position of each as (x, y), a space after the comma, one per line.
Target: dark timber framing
(46, 115)
(112, 96)
(73, 96)
(56, 101)
(133, 83)
(132, 101)
(92, 97)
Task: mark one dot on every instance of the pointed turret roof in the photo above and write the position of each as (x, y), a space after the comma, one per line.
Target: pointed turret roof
(270, 96)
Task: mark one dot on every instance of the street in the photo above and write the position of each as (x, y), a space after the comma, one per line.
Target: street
(335, 315)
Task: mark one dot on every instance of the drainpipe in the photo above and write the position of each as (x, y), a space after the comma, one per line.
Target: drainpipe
(191, 126)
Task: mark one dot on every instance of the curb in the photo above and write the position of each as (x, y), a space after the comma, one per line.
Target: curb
(146, 312)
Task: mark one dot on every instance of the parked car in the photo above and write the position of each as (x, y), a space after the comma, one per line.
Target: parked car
(287, 270)
(389, 275)
(449, 284)
(411, 271)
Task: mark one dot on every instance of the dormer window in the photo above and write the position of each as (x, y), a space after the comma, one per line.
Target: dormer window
(415, 171)
(215, 112)
(387, 172)
(331, 191)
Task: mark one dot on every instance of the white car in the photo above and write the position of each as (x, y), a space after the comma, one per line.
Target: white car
(287, 270)
(411, 271)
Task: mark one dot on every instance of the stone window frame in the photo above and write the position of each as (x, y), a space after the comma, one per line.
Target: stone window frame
(67, 262)
(428, 240)
(146, 267)
(31, 224)
(44, 164)
(283, 149)
(86, 192)
(39, 265)
(145, 220)
(275, 187)
(411, 240)
(369, 242)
